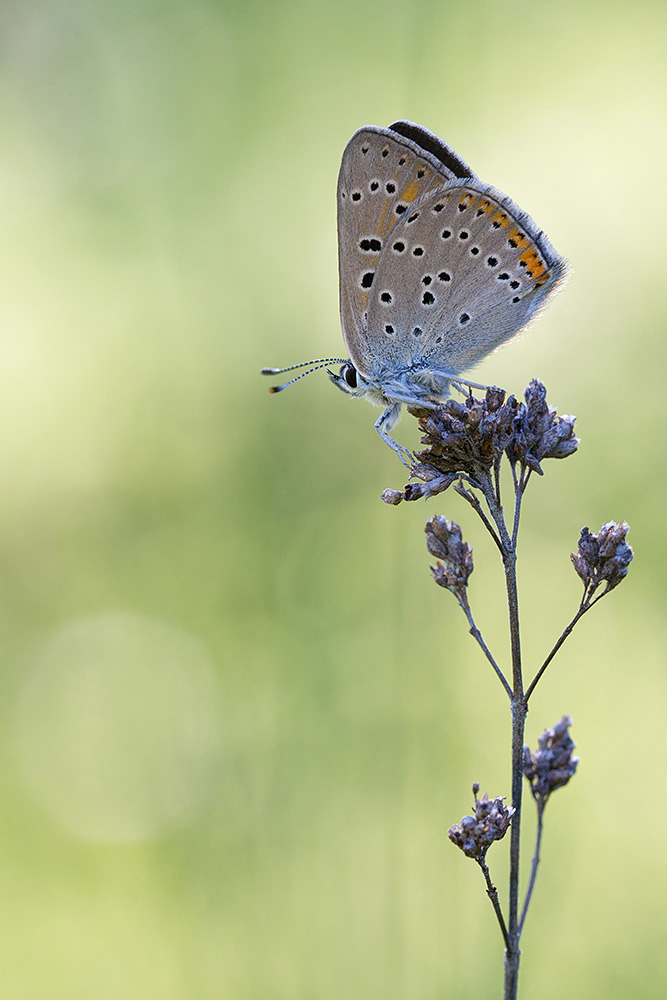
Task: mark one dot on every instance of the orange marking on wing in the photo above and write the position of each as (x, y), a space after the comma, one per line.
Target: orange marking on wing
(534, 265)
(483, 205)
(407, 196)
(518, 238)
(413, 190)
(386, 218)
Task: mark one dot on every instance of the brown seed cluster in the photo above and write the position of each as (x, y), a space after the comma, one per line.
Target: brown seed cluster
(539, 432)
(602, 558)
(469, 437)
(445, 541)
(552, 765)
(491, 820)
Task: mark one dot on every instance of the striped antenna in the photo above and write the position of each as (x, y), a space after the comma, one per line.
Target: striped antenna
(316, 365)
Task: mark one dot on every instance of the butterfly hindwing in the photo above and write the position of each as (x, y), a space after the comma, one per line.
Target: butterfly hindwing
(460, 274)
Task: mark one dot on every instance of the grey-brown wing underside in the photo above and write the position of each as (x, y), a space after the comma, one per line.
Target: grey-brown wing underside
(461, 273)
(384, 173)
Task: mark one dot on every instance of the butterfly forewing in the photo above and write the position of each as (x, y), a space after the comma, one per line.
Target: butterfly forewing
(383, 176)
(460, 274)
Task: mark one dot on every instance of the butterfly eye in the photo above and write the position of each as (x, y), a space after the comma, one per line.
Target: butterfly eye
(349, 373)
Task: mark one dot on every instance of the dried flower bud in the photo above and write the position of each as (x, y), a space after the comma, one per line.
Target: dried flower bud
(393, 497)
(445, 542)
(539, 432)
(602, 558)
(552, 765)
(433, 482)
(475, 834)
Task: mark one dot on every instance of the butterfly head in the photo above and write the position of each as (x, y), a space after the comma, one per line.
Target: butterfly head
(350, 381)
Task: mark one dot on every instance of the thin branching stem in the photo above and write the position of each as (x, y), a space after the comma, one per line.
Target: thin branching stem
(508, 550)
(517, 514)
(525, 476)
(492, 893)
(585, 606)
(519, 709)
(581, 611)
(534, 865)
(477, 636)
(513, 953)
(477, 507)
(496, 478)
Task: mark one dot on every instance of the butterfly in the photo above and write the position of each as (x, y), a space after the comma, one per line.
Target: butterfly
(436, 268)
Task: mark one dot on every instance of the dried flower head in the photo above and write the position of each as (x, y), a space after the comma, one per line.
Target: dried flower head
(539, 432)
(552, 765)
(445, 541)
(468, 438)
(475, 834)
(602, 558)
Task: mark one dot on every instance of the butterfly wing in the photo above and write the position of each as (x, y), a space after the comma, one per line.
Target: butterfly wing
(384, 173)
(460, 273)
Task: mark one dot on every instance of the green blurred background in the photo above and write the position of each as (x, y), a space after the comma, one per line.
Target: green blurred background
(237, 716)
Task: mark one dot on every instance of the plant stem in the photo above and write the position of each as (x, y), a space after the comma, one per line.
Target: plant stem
(518, 497)
(477, 507)
(519, 710)
(585, 606)
(512, 953)
(534, 864)
(496, 480)
(492, 893)
(477, 636)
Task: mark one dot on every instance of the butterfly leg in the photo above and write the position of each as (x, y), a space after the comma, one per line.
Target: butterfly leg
(385, 422)
(458, 382)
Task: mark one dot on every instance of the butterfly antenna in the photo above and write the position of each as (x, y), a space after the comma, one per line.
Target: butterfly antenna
(316, 365)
